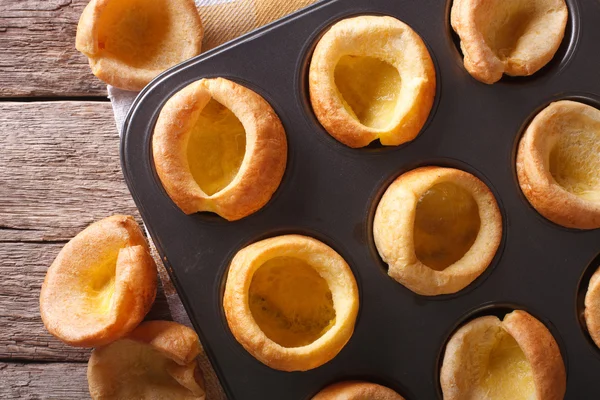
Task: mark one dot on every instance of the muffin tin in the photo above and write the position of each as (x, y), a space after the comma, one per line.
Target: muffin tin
(330, 192)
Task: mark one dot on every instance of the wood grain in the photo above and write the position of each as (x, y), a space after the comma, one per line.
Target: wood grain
(37, 50)
(59, 171)
(23, 336)
(64, 381)
(26, 381)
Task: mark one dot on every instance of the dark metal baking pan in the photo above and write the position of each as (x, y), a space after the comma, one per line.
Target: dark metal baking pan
(330, 192)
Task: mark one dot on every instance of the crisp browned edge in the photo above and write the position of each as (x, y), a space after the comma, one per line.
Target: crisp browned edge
(357, 390)
(483, 192)
(139, 300)
(263, 166)
(536, 183)
(337, 121)
(116, 73)
(247, 332)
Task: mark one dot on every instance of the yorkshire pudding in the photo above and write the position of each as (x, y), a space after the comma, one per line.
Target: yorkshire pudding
(558, 162)
(218, 146)
(592, 307)
(357, 391)
(371, 78)
(438, 229)
(513, 37)
(157, 361)
(101, 285)
(129, 42)
(291, 301)
(516, 358)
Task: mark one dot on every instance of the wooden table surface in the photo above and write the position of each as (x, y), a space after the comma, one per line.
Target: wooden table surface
(59, 171)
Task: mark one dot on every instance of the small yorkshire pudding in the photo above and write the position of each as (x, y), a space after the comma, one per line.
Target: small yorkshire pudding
(438, 229)
(129, 42)
(516, 358)
(291, 301)
(157, 361)
(101, 285)
(354, 390)
(558, 162)
(592, 307)
(218, 146)
(513, 37)
(371, 78)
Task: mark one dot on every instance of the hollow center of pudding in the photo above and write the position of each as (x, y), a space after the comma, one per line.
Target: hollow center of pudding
(100, 284)
(509, 30)
(216, 147)
(137, 32)
(370, 89)
(508, 374)
(291, 302)
(575, 158)
(143, 371)
(446, 225)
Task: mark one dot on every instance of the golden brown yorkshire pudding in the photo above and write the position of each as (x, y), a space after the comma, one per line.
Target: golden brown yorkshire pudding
(129, 42)
(592, 307)
(157, 361)
(354, 390)
(218, 146)
(101, 285)
(438, 229)
(371, 78)
(513, 37)
(516, 358)
(291, 301)
(558, 162)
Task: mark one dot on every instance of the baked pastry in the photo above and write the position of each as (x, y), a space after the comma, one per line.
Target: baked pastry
(438, 229)
(558, 160)
(291, 301)
(101, 285)
(516, 358)
(157, 361)
(129, 42)
(218, 146)
(370, 78)
(513, 37)
(354, 390)
(592, 307)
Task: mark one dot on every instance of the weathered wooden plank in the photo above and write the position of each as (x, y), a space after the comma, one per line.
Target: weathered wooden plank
(37, 42)
(37, 50)
(64, 381)
(59, 169)
(23, 336)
